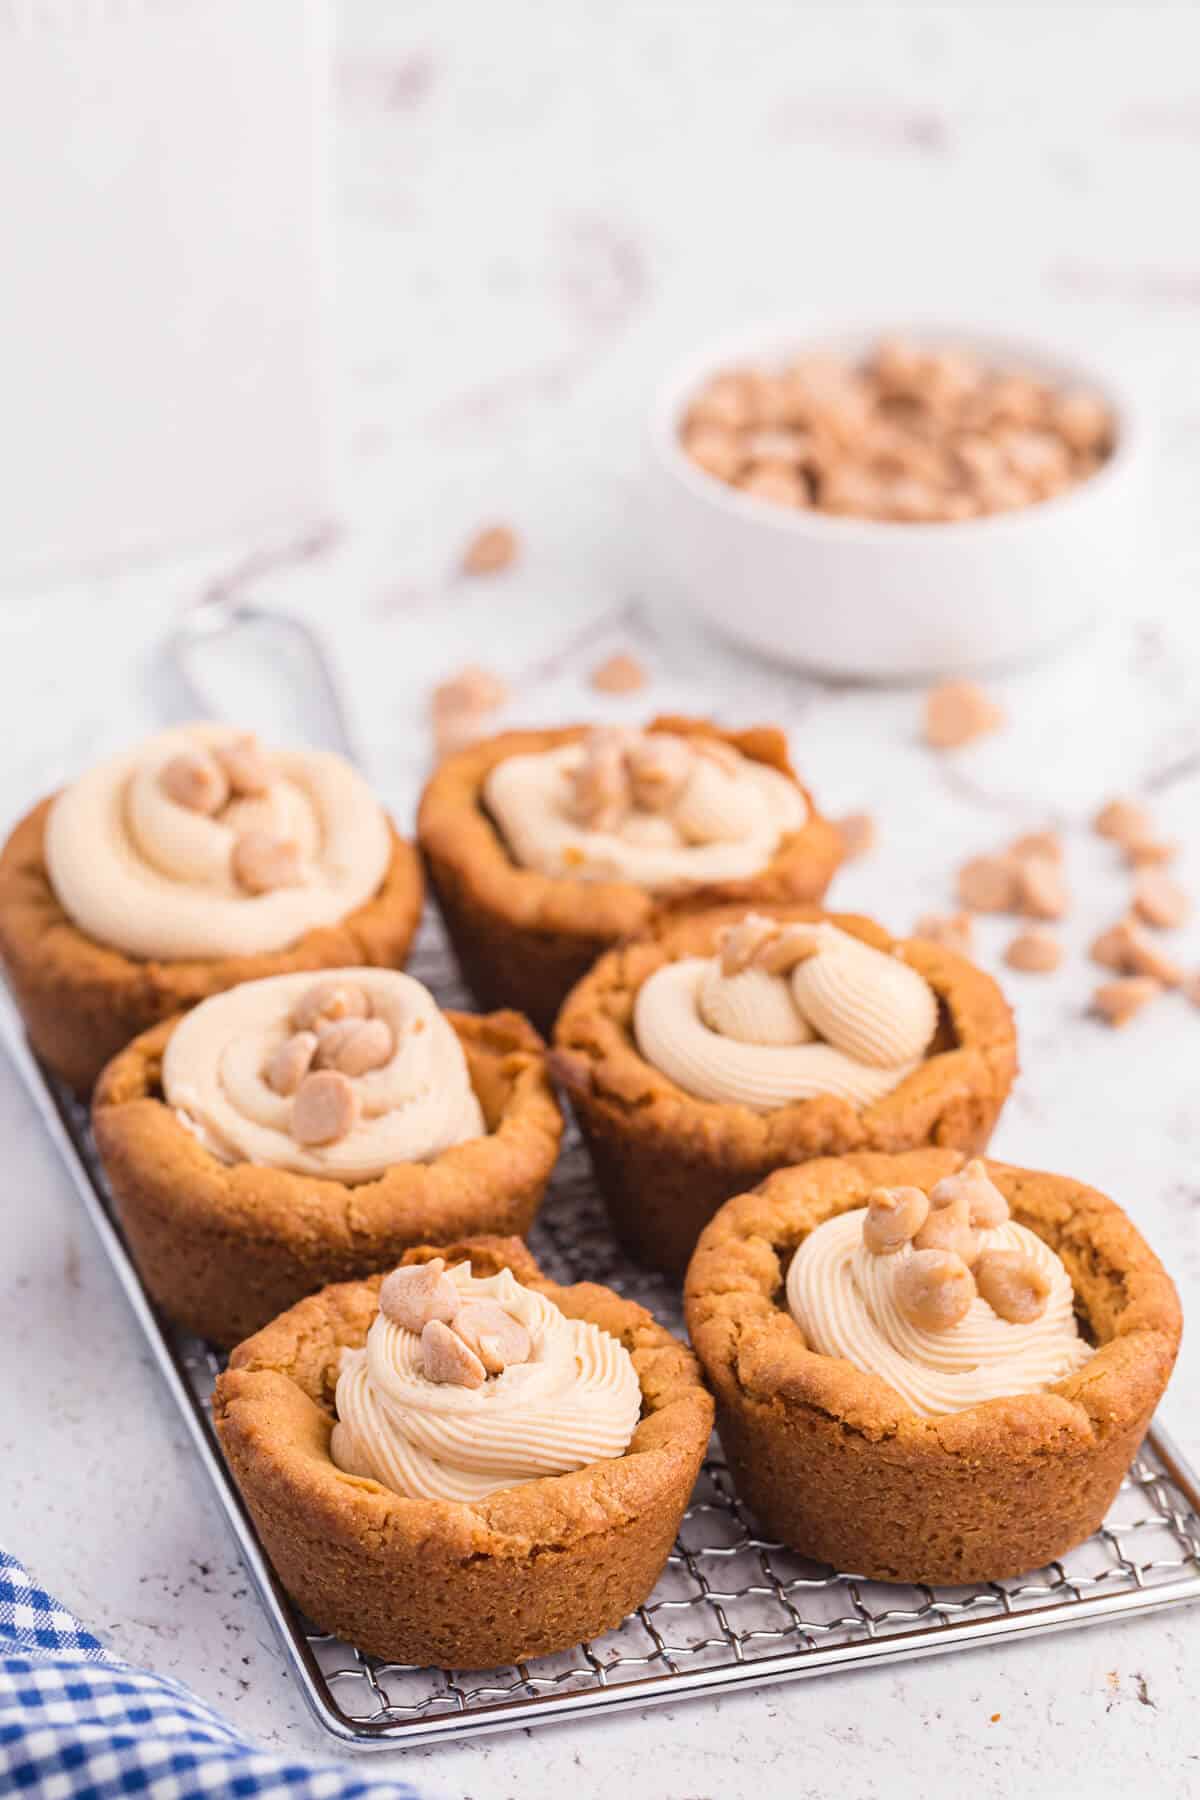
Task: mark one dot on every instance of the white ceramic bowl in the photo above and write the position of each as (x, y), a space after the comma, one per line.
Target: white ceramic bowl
(879, 600)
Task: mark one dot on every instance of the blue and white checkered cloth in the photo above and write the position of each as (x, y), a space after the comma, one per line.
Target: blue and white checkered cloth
(77, 1723)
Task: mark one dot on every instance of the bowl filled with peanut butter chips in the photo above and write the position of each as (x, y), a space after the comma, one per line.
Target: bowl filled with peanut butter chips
(889, 505)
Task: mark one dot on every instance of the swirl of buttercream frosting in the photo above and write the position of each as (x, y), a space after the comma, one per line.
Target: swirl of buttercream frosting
(847, 1021)
(576, 1400)
(843, 1298)
(138, 870)
(417, 1104)
(724, 823)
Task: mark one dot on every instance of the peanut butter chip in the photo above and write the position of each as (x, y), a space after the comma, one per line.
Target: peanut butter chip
(446, 1359)
(934, 1290)
(461, 707)
(327, 1001)
(1045, 844)
(1129, 949)
(355, 1046)
(1123, 820)
(291, 1062)
(740, 944)
(619, 674)
(490, 550)
(894, 1217)
(261, 863)
(325, 1108)
(948, 1227)
(857, 832)
(1118, 1001)
(1035, 951)
(1013, 1285)
(954, 930)
(794, 944)
(600, 792)
(986, 1205)
(1191, 988)
(659, 765)
(491, 1331)
(1041, 888)
(1160, 900)
(195, 780)
(958, 711)
(416, 1293)
(245, 766)
(989, 883)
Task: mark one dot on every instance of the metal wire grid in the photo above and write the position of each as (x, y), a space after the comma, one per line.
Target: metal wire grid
(728, 1597)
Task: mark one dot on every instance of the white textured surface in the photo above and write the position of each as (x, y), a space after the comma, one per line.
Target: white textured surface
(537, 208)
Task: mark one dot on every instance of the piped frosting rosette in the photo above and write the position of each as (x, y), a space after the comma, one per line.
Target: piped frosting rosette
(201, 843)
(342, 1077)
(469, 1385)
(785, 1013)
(944, 1296)
(651, 808)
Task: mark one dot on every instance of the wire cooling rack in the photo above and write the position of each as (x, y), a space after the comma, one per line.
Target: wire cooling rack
(732, 1607)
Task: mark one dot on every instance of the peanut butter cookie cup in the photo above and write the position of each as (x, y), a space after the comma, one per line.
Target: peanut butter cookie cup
(928, 1371)
(287, 1134)
(178, 869)
(438, 1503)
(728, 1044)
(546, 848)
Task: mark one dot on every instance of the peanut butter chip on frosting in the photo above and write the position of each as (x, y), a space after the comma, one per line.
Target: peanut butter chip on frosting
(934, 1290)
(948, 1228)
(325, 1108)
(416, 1293)
(491, 1331)
(355, 1046)
(291, 1062)
(448, 1360)
(195, 780)
(261, 863)
(1013, 1286)
(894, 1217)
(327, 1001)
(986, 1206)
(244, 765)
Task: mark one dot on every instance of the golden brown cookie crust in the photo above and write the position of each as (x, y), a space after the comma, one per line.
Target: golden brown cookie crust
(225, 1247)
(534, 1569)
(83, 1001)
(665, 1161)
(524, 939)
(835, 1463)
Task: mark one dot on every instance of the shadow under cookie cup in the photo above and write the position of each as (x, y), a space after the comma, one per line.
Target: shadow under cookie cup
(523, 939)
(527, 1571)
(665, 1161)
(835, 1464)
(83, 1001)
(225, 1247)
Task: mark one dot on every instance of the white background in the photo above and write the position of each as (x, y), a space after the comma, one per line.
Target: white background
(537, 209)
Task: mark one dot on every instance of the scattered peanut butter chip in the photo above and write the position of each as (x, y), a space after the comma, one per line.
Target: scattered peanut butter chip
(934, 1290)
(1035, 951)
(291, 1062)
(195, 780)
(1013, 1285)
(857, 832)
(1160, 900)
(262, 862)
(355, 1046)
(894, 1217)
(1044, 844)
(954, 930)
(1191, 988)
(1144, 957)
(460, 708)
(326, 1001)
(416, 1293)
(1111, 949)
(1118, 1001)
(619, 674)
(989, 883)
(446, 1359)
(490, 550)
(1149, 852)
(491, 1331)
(1041, 888)
(245, 766)
(1123, 820)
(958, 711)
(325, 1108)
